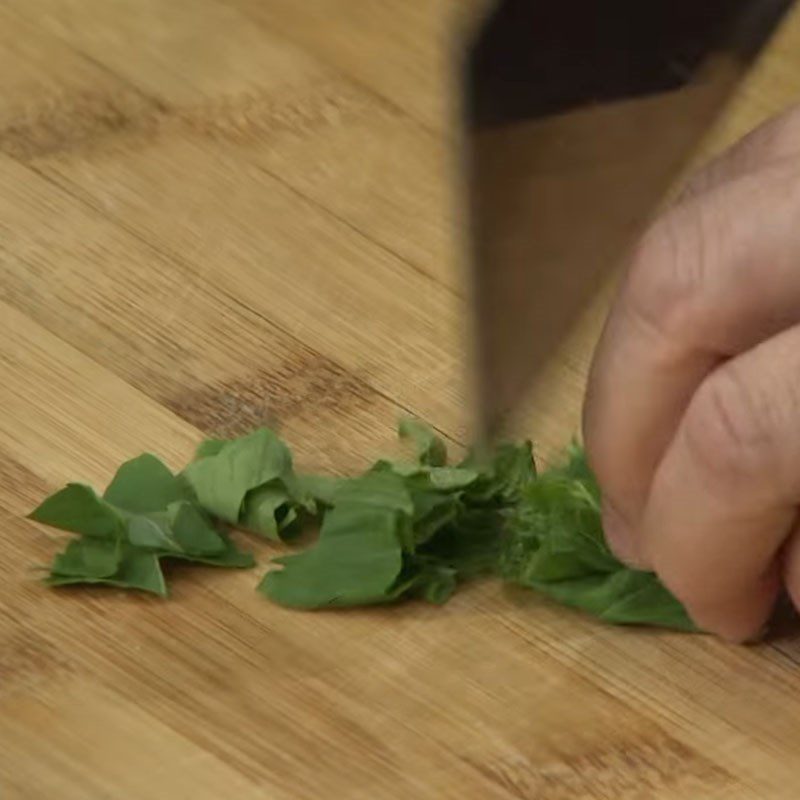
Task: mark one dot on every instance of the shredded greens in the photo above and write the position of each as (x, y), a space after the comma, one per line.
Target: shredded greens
(413, 528)
(145, 515)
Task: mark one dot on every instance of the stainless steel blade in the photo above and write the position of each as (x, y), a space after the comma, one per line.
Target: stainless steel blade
(578, 115)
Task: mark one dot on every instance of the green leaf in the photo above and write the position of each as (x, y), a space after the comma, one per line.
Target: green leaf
(624, 597)
(504, 473)
(94, 558)
(141, 571)
(472, 545)
(431, 449)
(380, 490)
(151, 533)
(557, 547)
(230, 557)
(429, 581)
(449, 478)
(356, 562)
(209, 447)
(78, 509)
(222, 480)
(432, 511)
(193, 533)
(514, 468)
(320, 488)
(137, 570)
(267, 511)
(144, 484)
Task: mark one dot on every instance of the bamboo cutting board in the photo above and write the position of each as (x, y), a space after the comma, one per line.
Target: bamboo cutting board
(220, 213)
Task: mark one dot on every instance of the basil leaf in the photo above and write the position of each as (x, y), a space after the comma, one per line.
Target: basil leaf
(151, 533)
(384, 491)
(268, 511)
(192, 532)
(137, 570)
(355, 562)
(557, 547)
(221, 481)
(503, 473)
(209, 447)
(431, 449)
(230, 557)
(78, 509)
(94, 558)
(320, 488)
(144, 484)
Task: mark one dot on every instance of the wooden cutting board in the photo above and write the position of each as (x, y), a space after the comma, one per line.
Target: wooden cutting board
(220, 213)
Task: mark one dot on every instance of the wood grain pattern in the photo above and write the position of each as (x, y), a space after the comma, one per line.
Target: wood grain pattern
(219, 213)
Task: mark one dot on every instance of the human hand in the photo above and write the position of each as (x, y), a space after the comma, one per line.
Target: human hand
(692, 415)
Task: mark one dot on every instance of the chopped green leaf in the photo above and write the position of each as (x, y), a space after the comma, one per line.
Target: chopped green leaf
(431, 449)
(380, 490)
(320, 488)
(78, 509)
(432, 511)
(429, 581)
(557, 547)
(448, 478)
(144, 484)
(209, 447)
(400, 530)
(192, 532)
(268, 511)
(151, 533)
(230, 557)
(356, 562)
(137, 570)
(222, 480)
(96, 558)
(504, 473)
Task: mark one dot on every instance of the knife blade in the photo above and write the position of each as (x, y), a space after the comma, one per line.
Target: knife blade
(577, 116)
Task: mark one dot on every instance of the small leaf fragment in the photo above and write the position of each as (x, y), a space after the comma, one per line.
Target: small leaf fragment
(320, 488)
(209, 447)
(267, 511)
(431, 449)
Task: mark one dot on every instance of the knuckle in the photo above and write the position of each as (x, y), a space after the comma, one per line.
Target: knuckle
(779, 137)
(667, 274)
(726, 429)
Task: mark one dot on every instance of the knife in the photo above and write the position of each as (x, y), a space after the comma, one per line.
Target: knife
(577, 115)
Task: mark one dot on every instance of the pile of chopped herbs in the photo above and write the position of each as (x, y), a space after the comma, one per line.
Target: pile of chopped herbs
(403, 529)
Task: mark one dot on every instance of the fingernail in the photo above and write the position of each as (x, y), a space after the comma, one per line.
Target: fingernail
(620, 538)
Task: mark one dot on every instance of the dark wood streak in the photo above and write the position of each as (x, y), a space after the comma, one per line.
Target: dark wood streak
(305, 384)
(78, 124)
(622, 771)
(67, 123)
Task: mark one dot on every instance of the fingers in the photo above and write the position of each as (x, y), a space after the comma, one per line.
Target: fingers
(724, 498)
(791, 566)
(714, 277)
(776, 141)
